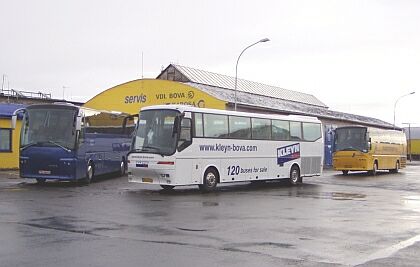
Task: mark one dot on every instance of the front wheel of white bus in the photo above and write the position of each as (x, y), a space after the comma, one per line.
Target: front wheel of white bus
(211, 177)
(295, 175)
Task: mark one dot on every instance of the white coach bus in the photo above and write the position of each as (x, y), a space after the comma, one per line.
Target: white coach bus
(182, 145)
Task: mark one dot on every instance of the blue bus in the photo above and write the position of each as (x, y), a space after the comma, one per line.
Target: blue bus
(68, 142)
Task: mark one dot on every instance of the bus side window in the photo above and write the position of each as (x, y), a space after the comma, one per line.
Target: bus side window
(311, 131)
(295, 130)
(239, 127)
(280, 130)
(261, 129)
(198, 125)
(216, 126)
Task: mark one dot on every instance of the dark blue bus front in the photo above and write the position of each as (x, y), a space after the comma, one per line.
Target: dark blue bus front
(48, 145)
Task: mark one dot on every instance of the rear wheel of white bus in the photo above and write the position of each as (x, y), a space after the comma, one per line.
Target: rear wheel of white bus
(295, 175)
(210, 179)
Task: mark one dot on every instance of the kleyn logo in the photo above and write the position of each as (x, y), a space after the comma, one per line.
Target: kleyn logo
(288, 153)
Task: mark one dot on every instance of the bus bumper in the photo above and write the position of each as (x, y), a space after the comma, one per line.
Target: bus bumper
(63, 169)
(149, 175)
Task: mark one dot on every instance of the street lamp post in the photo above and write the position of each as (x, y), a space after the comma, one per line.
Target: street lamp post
(409, 140)
(237, 61)
(395, 105)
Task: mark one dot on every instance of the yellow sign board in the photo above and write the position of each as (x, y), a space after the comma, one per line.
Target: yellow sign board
(130, 97)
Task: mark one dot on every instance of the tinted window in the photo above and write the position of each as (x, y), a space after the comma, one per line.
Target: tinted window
(350, 139)
(295, 130)
(280, 130)
(239, 127)
(104, 123)
(261, 129)
(311, 131)
(215, 125)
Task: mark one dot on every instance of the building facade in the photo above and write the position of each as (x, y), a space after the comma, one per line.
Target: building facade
(184, 85)
(413, 142)
(9, 138)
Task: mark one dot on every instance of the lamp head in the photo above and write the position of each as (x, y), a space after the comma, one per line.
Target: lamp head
(264, 40)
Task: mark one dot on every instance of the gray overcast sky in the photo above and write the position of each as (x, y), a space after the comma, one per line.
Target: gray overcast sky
(355, 56)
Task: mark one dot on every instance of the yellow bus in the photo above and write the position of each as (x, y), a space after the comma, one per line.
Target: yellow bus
(358, 148)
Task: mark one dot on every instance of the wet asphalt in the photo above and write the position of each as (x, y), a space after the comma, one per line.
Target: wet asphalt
(331, 220)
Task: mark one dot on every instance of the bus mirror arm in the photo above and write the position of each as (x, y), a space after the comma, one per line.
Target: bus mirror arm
(15, 117)
(78, 123)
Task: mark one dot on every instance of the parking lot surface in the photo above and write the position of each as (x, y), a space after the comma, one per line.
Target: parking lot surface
(331, 220)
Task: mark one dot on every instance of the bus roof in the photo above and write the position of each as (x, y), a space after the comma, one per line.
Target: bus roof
(66, 105)
(186, 108)
(370, 128)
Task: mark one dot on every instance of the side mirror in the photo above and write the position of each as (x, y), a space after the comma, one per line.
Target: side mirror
(175, 130)
(78, 123)
(14, 120)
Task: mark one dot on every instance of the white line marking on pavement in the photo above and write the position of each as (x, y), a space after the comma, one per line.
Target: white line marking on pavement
(387, 252)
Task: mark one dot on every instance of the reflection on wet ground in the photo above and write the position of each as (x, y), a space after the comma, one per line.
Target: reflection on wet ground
(327, 221)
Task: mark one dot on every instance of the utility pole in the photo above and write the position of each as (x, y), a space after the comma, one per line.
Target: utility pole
(142, 64)
(2, 83)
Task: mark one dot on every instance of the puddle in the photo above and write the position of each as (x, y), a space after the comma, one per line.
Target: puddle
(210, 204)
(330, 195)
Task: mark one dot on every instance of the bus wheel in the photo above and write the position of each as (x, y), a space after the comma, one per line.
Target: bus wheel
(89, 174)
(209, 180)
(374, 171)
(122, 168)
(40, 180)
(397, 168)
(166, 187)
(295, 176)
(345, 172)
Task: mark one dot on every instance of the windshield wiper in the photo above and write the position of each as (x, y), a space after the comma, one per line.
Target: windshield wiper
(350, 149)
(151, 147)
(57, 144)
(28, 145)
(146, 149)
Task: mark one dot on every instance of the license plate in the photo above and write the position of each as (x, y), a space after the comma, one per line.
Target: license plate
(142, 164)
(44, 172)
(147, 180)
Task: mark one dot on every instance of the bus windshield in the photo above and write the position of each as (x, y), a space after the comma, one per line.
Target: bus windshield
(155, 132)
(349, 139)
(49, 127)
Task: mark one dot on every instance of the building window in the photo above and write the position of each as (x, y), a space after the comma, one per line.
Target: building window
(5, 140)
